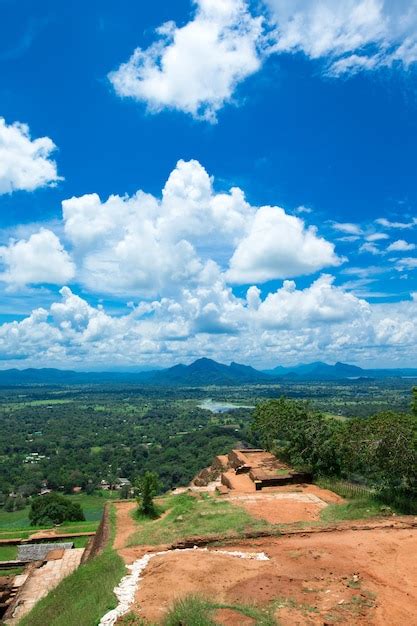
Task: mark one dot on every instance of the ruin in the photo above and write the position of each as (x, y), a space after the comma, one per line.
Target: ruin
(250, 468)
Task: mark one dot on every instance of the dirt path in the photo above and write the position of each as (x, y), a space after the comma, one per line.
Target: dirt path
(125, 524)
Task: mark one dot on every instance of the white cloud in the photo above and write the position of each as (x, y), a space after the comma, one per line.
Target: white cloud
(371, 248)
(349, 36)
(279, 245)
(195, 68)
(348, 228)
(376, 237)
(400, 246)
(320, 321)
(39, 259)
(25, 164)
(303, 209)
(407, 263)
(382, 221)
(143, 245)
(151, 246)
(322, 302)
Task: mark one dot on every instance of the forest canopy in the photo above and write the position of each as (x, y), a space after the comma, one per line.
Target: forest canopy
(380, 450)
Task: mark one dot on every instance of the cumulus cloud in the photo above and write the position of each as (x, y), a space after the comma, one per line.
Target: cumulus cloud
(195, 68)
(349, 36)
(370, 247)
(39, 259)
(400, 246)
(319, 320)
(382, 221)
(376, 237)
(407, 263)
(348, 228)
(321, 302)
(279, 245)
(25, 164)
(144, 245)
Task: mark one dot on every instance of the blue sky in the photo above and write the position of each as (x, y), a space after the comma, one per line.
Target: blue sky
(306, 110)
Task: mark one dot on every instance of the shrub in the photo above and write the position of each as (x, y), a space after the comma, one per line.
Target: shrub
(13, 504)
(54, 509)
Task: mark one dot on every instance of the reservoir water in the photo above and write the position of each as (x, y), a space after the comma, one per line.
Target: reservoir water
(221, 407)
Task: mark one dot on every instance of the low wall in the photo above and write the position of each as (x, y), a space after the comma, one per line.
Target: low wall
(269, 480)
(97, 543)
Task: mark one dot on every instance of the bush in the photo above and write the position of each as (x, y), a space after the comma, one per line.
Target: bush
(13, 504)
(54, 509)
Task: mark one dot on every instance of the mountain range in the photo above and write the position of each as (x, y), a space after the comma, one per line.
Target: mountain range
(202, 372)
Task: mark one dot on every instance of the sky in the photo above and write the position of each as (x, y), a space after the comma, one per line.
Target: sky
(219, 178)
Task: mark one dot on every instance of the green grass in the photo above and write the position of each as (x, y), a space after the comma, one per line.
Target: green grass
(196, 610)
(92, 505)
(8, 553)
(362, 508)
(15, 519)
(14, 571)
(83, 597)
(24, 533)
(190, 516)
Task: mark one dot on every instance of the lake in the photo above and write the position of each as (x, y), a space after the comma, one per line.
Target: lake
(221, 407)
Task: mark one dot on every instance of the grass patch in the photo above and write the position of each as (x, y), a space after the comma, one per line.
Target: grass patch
(362, 508)
(16, 523)
(14, 571)
(196, 610)
(8, 553)
(361, 502)
(189, 516)
(84, 596)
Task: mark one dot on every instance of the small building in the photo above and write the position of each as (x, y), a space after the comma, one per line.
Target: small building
(122, 482)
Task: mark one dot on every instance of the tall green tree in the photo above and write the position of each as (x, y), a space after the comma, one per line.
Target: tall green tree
(147, 487)
(299, 434)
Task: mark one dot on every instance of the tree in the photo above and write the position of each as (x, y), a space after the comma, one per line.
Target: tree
(147, 487)
(14, 504)
(299, 435)
(383, 449)
(414, 401)
(54, 509)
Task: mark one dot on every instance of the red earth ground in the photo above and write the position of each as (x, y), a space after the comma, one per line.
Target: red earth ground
(349, 577)
(346, 576)
(284, 505)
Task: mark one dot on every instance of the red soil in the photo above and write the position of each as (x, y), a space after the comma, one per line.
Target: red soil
(364, 578)
(296, 508)
(125, 524)
(282, 511)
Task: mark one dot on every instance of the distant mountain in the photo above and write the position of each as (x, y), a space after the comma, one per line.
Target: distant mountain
(208, 372)
(202, 372)
(49, 376)
(339, 371)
